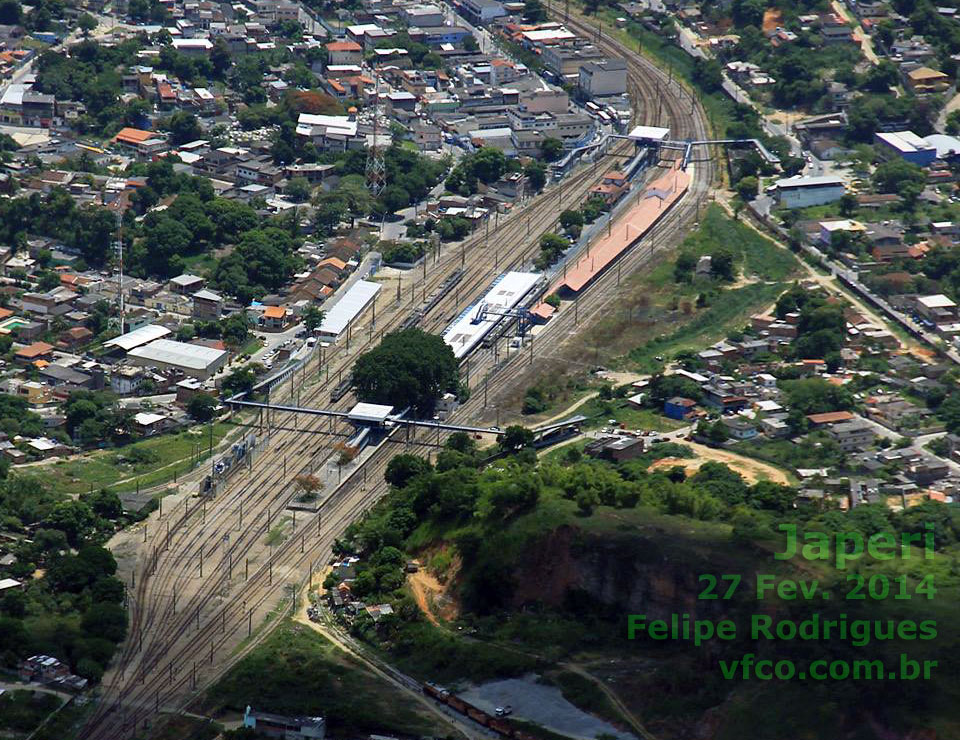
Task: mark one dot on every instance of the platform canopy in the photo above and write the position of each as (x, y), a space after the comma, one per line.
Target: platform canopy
(370, 413)
(649, 133)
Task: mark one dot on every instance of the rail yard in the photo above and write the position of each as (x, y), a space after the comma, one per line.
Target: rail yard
(212, 574)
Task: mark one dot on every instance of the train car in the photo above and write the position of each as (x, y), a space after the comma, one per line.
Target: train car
(342, 389)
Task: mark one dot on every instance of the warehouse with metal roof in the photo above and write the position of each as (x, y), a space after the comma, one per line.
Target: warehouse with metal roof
(138, 337)
(194, 360)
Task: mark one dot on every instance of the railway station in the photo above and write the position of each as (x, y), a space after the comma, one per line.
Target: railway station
(504, 299)
(651, 205)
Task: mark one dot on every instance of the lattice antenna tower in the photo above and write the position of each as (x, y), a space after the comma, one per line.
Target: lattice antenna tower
(119, 246)
(376, 168)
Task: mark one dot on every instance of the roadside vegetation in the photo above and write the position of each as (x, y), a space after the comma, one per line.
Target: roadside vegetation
(299, 672)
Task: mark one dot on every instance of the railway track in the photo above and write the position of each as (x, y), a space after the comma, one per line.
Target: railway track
(193, 609)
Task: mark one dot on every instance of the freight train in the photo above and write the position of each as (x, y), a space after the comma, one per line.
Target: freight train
(497, 724)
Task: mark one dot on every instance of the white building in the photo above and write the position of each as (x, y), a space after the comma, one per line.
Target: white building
(481, 11)
(193, 360)
(802, 192)
(603, 78)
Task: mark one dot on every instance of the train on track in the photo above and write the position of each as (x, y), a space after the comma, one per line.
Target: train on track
(499, 725)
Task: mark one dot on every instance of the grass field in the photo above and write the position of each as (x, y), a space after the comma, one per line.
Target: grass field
(623, 413)
(152, 461)
(297, 671)
(765, 269)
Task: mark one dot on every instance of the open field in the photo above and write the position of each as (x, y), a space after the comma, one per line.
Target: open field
(152, 461)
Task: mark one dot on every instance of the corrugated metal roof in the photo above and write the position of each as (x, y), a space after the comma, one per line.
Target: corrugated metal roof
(192, 356)
(138, 337)
(348, 307)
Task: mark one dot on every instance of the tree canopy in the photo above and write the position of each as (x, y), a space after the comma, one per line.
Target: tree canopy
(408, 369)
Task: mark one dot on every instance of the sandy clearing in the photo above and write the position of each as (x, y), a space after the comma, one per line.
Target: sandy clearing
(752, 470)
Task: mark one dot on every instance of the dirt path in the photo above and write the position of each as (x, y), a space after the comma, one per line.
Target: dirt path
(752, 470)
(301, 618)
(429, 594)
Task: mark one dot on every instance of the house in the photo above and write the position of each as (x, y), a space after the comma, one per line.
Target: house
(344, 52)
(274, 318)
(612, 187)
(679, 408)
(34, 352)
(852, 435)
(125, 380)
(774, 427)
(149, 424)
(283, 726)
(829, 228)
(42, 668)
(145, 144)
(54, 302)
(186, 284)
(801, 192)
(207, 305)
(739, 428)
(924, 80)
(829, 417)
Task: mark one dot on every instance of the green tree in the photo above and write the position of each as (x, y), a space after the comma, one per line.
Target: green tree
(536, 175)
(201, 407)
(747, 187)
(403, 468)
(514, 438)
(408, 369)
(240, 380)
(551, 149)
(86, 23)
(815, 396)
(312, 317)
(184, 127)
(299, 189)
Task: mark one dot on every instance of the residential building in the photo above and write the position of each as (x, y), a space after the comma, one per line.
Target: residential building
(937, 309)
(565, 61)
(852, 435)
(924, 80)
(603, 78)
(617, 448)
(207, 305)
(422, 16)
(481, 12)
(679, 408)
